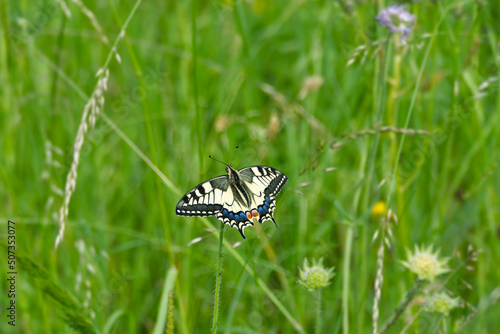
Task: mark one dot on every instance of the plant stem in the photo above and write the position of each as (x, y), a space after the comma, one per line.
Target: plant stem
(400, 309)
(381, 93)
(196, 96)
(218, 279)
(345, 282)
(378, 280)
(318, 312)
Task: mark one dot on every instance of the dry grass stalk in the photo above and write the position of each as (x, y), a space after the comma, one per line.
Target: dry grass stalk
(93, 20)
(90, 112)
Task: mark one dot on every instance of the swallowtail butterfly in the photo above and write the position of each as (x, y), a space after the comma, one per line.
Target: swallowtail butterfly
(238, 199)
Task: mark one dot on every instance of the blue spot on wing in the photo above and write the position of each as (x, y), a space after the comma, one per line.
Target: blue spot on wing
(237, 216)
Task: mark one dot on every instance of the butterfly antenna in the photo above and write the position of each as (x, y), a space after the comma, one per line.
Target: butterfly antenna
(233, 155)
(217, 160)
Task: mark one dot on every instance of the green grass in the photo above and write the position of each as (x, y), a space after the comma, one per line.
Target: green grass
(199, 78)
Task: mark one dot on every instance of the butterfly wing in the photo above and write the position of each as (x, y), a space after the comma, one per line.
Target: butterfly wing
(205, 199)
(252, 198)
(268, 178)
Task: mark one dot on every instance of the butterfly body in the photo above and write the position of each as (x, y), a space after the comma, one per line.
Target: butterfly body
(238, 199)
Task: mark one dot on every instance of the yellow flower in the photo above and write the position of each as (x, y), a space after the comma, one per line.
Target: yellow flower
(315, 276)
(379, 209)
(442, 303)
(425, 264)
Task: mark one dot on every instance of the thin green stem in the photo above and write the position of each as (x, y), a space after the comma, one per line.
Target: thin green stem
(218, 279)
(55, 77)
(410, 110)
(195, 83)
(345, 282)
(435, 324)
(150, 134)
(370, 166)
(318, 312)
(400, 309)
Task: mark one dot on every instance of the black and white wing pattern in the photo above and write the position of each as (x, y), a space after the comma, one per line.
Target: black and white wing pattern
(271, 179)
(238, 199)
(252, 199)
(205, 199)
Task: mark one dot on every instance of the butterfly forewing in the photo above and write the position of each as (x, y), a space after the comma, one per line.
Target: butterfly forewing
(268, 179)
(205, 199)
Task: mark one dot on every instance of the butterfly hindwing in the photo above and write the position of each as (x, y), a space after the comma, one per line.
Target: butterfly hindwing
(234, 210)
(259, 184)
(206, 199)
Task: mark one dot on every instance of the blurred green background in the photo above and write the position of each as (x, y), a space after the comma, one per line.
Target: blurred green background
(283, 80)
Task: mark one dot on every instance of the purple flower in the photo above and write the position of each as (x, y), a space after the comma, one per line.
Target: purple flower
(397, 20)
